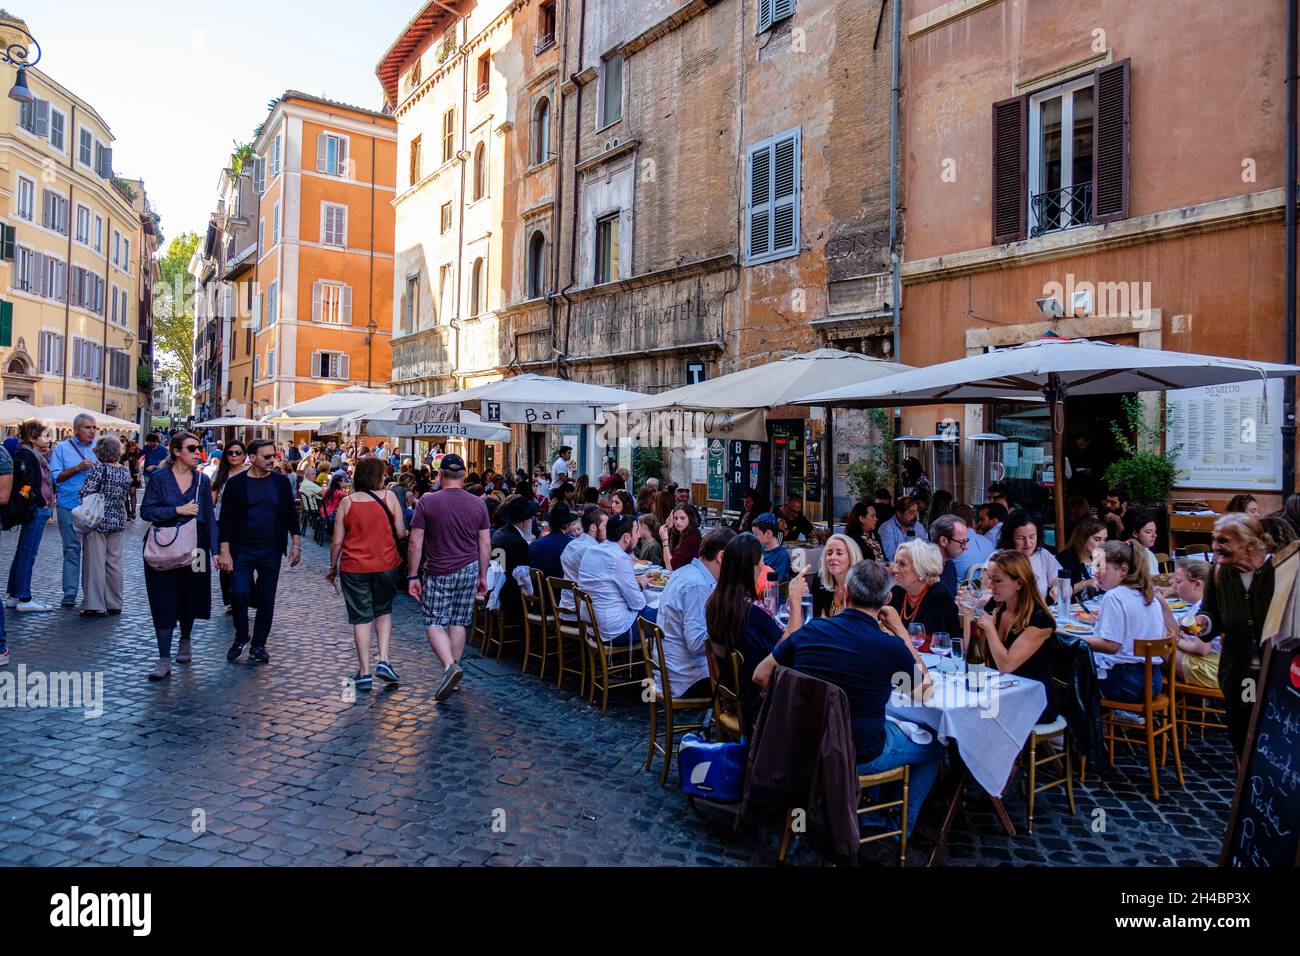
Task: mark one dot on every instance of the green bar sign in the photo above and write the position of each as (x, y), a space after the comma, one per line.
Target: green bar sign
(717, 469)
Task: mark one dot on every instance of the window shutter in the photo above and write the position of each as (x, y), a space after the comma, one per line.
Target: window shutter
(7, 236)
(316, 301)
(40, 274)
(1009, 168)
(764, 15)
(343, 367)
(1110, 129)
(315, 365)
(6, 324)
(259, 175)
(782, 9)
(760, 201)
(785, 195)
(342, 157)
(345, 308)
(322, 158)
(42, 118)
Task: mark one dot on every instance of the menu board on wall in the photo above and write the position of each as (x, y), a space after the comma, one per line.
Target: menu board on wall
(717, 469)
(1228, 440)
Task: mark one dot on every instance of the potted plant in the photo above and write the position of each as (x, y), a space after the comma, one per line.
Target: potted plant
(878, 465)
(1148, 476)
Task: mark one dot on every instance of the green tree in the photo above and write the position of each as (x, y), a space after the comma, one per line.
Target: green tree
(173, 312)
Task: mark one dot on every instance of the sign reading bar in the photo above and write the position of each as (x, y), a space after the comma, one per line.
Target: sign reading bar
(1228, 440)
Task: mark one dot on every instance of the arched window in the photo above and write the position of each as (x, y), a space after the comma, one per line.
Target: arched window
(477, 289)
(536, 265)
(541, 131)
(480, 171)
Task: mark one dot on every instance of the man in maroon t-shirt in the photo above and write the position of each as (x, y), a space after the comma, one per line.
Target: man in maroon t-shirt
(451, 539)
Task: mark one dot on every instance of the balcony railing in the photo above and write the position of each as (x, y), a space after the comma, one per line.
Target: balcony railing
(481, 91)
(1061, 208)
(545, 41)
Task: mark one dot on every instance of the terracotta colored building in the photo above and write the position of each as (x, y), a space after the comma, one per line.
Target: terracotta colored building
(1096, 161)
(324, 173)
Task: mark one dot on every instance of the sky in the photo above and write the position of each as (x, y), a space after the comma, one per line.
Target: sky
(179, 81)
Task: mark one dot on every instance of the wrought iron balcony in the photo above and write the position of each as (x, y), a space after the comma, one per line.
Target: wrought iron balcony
(544, 42)
(1061, 208)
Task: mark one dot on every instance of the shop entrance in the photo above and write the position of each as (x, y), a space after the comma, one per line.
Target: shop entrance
(1090, 444)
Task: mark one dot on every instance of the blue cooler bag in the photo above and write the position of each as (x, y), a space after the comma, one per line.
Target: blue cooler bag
(711, 770)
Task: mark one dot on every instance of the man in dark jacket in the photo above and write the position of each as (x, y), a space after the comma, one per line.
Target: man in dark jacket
(545, 552)
(257, 521)
(510, 546)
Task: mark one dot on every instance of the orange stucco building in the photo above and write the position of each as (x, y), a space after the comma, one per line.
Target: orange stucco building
(326, 174)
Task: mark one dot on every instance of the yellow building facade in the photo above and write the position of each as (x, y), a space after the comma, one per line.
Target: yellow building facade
(74, 279)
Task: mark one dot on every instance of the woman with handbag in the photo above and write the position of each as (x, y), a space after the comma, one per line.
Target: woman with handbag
(178, 549)
(368, 530)
(34, 485)
(101, 561)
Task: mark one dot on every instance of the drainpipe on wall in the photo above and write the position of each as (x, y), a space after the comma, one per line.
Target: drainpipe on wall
(1288, 384)
(577, 158)
(108, 289)
(896, 293)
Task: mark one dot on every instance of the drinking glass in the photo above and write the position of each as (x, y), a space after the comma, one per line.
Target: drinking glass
(941, 647)
(958, 654)
(917, 634)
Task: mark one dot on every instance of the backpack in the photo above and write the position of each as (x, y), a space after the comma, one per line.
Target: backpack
(25, 499)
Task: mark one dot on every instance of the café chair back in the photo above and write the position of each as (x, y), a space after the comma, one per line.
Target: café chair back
(570, 652)
(867, 782)
(728, 701)
(1157, 711)
(610, 667)
(537, 633)
(664, 701)
(975, 572)
(1044, 736)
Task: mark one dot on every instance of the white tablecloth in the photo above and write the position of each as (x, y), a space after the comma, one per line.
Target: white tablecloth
(989, 722)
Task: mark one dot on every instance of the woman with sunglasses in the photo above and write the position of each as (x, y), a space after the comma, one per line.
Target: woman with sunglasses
(234, 461)
(176, 493)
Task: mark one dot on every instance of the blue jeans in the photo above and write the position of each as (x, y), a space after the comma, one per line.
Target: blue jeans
(1127, 683)
(71, 554)
(924, 760)
(29, 542)
(256, 570)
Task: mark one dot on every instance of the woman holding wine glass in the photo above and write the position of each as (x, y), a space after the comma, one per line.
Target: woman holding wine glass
(1016, 625)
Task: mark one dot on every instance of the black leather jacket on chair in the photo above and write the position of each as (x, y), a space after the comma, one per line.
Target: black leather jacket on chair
(1078, 699)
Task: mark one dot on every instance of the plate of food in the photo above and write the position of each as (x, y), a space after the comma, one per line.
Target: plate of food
(1075, 627)
(1177, 604)
(1086, 616)
(657, 580)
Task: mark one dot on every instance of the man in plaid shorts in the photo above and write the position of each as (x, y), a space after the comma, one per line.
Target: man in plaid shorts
(451, 537)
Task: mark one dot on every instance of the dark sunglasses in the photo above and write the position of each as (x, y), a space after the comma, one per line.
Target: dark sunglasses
(232, 453)
(190, 448)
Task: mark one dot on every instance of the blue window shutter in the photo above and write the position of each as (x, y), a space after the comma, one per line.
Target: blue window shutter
(760, 201)
(785, 194)
(781, 9)
(764, 15)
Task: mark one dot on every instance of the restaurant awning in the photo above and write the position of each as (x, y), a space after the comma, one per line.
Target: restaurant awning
(1050, 368)
(384, 421)
(735, 406)
(62, 416)
(524, 400)
(229, 422)
(14, 411)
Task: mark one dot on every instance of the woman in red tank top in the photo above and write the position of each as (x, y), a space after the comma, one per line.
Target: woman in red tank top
(365, 557)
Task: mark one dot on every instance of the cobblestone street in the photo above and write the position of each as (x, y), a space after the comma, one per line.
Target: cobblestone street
(282, 770)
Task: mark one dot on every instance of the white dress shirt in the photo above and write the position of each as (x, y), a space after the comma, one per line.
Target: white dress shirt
(606, 574)
(570, 560)
(681, 617)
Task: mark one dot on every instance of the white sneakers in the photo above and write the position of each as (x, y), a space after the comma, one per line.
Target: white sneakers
(15, 605)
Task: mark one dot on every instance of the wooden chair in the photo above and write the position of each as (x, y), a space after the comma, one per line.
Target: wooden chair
(1164, 563)
(501, 631)
(1157, 712)
(1044, 734)
(610, 667)
(570, 647)
(652, 652)
(728, 700)
(536, 627)
(900, 775)
(1196, 708)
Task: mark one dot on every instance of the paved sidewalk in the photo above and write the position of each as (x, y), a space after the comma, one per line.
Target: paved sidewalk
(237, 764)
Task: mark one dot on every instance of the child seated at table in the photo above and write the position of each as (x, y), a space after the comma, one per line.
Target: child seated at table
(1129, 612)
(1197, 661)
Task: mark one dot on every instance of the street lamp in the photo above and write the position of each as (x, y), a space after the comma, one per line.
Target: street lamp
(371, 326)
(19, 53)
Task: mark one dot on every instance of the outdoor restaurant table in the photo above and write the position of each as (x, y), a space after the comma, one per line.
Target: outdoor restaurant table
(988, 722)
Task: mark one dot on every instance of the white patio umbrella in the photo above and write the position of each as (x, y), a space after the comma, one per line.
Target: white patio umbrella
(384, 421)
(232, 421)
(14, 411)
(62, 416)
(735, 405)
(523, 399)
(1050, 368)
(343, 401)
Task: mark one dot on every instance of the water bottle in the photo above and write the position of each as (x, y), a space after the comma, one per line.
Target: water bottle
(772, 593)
(1064, 593)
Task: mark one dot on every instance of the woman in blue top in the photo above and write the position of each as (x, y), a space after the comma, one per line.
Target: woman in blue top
(176, 493)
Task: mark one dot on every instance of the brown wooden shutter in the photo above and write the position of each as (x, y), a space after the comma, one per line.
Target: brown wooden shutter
(1110, 125)
(1010, 159)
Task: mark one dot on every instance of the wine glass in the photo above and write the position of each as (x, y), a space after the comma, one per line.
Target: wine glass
(941, 647)
(917, 633)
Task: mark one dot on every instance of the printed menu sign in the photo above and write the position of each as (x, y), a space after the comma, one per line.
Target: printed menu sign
(1264, 826)
(1227, 439)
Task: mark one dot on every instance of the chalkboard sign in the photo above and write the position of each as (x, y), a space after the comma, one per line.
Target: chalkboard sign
(1264, 826)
